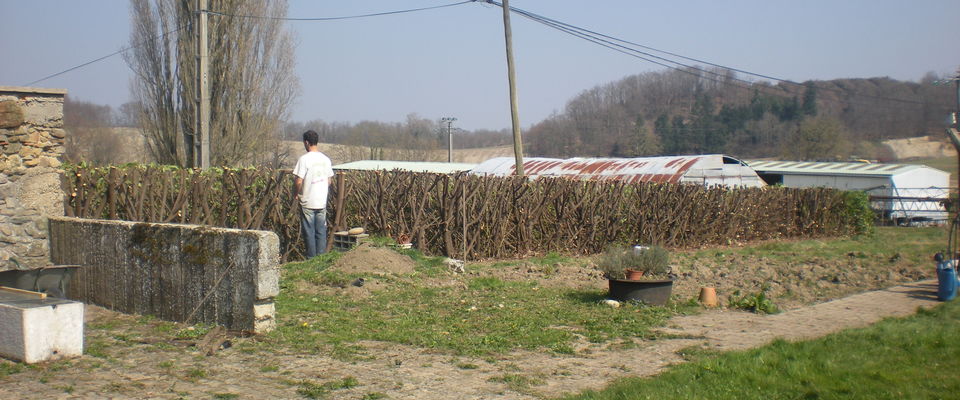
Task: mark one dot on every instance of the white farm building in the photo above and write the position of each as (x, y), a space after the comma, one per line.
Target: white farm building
(901, 192)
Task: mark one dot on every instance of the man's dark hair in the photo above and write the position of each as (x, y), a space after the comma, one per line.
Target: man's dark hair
(311, 137)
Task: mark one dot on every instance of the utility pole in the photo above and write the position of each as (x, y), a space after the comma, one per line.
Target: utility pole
(512, 79)
(449, 122)
(203, 93)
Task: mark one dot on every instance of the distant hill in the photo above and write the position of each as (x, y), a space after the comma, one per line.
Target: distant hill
(693, 112)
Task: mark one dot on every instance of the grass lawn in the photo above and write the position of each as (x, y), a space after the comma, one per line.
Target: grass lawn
(463, 314)
(473, 314)
(909, 358)
(916, 244)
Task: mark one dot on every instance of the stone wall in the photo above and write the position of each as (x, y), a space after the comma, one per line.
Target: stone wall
(31, 146)
(184, 273)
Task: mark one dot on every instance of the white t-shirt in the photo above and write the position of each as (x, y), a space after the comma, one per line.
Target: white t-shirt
(316, 170)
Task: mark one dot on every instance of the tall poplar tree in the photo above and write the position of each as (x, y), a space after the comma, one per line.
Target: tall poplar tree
(251, 77)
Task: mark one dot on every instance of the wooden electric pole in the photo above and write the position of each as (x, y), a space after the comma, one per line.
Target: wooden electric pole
(203, 94)
(512, 79)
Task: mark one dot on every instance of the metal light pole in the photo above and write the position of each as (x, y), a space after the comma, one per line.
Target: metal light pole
(203, 90)
(953, 121)
(449, 122)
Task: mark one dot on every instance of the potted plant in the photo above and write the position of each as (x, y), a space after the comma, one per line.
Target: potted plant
(655, 285)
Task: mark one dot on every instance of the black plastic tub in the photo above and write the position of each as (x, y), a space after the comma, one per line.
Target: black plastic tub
(653, 292)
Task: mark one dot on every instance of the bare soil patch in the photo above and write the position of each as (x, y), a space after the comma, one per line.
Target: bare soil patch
(369, 259)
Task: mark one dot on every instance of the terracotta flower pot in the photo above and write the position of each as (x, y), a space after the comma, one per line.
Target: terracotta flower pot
(633, 274)
(708, 297)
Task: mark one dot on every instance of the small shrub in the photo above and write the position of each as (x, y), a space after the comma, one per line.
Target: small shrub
(858, 214)
(614, 262)
(757, 302)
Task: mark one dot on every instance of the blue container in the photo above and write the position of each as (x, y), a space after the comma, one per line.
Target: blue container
(946, 281)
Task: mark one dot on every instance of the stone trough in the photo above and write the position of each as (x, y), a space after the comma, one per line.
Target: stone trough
(35, 328)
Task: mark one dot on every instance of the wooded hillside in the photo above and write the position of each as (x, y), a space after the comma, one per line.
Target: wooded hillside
(691, 112)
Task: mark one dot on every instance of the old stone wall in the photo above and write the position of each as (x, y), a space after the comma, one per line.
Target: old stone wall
(184, 273)
(31, 146)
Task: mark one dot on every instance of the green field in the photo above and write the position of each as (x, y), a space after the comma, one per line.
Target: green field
(910, 358)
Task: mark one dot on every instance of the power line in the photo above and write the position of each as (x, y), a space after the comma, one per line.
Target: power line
(245, 16)
(131, 47)
(611, 43)
(342, 17)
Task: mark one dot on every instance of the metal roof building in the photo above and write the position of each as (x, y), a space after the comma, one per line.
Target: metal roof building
(902, 192)
(414, 166)
(707, 170)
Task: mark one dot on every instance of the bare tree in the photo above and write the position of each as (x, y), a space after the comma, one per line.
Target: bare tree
(90, 136)
(251, 77)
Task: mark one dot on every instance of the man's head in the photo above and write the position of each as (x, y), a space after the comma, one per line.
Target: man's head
(311, 138)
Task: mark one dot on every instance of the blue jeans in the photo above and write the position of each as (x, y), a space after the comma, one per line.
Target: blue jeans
(313, 226)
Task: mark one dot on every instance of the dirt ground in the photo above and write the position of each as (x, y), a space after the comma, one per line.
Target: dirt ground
(137, 366)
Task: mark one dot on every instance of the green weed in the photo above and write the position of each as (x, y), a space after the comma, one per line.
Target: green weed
(517, 382)
(312, 390)
(196, 373)
(756, 302)
(9, 368)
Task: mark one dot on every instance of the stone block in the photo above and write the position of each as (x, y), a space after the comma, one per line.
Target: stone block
(268, 274)
(58, 133)
(34, 231)
(264, 320)
(12, 148)
(51, 162)
(32, 138)
(43, 113)
(37, 249)
(11, 114)
(35, 330)
(30, 152)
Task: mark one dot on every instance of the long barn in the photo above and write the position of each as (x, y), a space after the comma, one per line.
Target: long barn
(707, 170)
(901, 192)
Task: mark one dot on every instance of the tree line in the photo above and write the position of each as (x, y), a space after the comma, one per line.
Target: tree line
(690, 111)
(694, 112)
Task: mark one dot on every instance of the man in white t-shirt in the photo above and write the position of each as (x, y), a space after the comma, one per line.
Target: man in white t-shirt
(314, 173)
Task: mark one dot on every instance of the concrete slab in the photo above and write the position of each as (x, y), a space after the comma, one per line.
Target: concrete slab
(35, 330)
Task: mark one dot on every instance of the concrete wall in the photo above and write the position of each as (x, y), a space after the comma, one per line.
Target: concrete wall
(31, 146)
(184, 273)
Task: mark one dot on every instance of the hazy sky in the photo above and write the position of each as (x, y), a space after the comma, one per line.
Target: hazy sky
(451, 61)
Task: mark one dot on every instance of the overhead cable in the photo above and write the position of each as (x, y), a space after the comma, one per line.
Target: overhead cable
(245, 16)
(131, 47)
(342, 17)
(612, 43)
